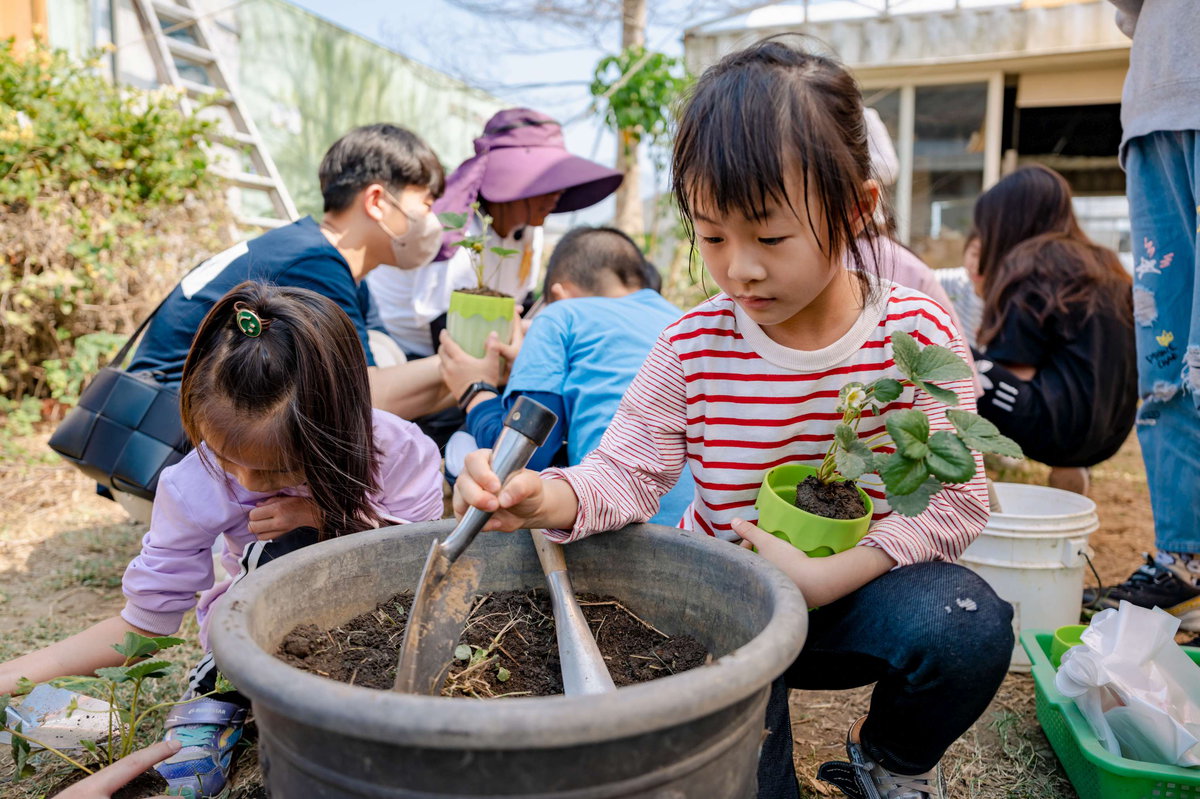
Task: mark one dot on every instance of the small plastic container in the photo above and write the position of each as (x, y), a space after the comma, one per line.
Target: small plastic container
(1065, 638)
(1094, 772)
(815, 535)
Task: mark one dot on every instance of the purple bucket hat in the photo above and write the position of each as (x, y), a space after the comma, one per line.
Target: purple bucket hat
(520, 155)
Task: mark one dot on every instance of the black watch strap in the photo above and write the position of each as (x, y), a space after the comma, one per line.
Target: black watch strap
(474, 389)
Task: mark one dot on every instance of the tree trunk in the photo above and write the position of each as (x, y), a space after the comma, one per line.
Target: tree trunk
(629, 200)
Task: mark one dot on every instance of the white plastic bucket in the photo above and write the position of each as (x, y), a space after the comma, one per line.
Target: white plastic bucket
(1033, 553)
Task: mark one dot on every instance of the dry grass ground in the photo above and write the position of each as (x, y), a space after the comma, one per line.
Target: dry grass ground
(63, 550)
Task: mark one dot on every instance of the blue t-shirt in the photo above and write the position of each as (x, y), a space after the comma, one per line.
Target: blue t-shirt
(296, 255)
(587, 350)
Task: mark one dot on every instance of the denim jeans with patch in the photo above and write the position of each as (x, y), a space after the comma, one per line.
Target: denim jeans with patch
(1164, 210)
(936, 641)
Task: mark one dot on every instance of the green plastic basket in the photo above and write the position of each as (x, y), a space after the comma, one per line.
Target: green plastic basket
(1094, 772)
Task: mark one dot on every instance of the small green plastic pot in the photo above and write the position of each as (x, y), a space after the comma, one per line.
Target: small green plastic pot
(815, 535)
(1065, 638)
(472, 317)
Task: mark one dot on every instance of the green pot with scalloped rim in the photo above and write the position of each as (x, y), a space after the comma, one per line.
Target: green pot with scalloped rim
(815, 535)
(472, 317)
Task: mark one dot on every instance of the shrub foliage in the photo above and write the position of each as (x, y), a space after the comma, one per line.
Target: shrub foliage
(105, 201)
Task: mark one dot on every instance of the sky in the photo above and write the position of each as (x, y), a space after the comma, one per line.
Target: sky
(523, 63)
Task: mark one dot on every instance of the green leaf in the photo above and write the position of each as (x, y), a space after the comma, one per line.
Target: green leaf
(949, 459)
(166, 642)
(136, 646)
(20, 755)
(90, 745)
(462, 652)
(981, 435)
(503, 674)
(224, 686)
(886, 390)
(915, 502)
(902, 475)
(852, 457)
(940, 364)
(117, 674)
(906, 352)
(942, 395)
(909, 429)
(452, 221)
(75, 683)
(24, 686)
(149, 668)
(504, 253)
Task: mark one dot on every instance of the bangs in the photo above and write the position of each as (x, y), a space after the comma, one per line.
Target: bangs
(272, 435)
(767, 117)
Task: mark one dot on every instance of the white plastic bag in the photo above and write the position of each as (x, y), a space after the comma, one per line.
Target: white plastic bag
(1135, 686)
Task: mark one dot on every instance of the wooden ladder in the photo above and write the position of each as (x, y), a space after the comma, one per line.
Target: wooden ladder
(181, 48)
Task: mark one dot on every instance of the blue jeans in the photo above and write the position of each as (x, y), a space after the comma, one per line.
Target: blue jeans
(935, 662)
(1164, 190)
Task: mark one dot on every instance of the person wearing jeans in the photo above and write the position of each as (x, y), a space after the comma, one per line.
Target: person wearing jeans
(1160, 114)
(936, 641)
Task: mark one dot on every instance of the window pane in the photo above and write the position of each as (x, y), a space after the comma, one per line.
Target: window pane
(948, 144)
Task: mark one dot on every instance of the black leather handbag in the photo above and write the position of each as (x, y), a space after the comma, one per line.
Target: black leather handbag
(126, 428)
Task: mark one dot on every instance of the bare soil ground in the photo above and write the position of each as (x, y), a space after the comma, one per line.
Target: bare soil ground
(63, 551)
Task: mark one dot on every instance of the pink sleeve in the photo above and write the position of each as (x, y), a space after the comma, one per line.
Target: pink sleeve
(410, 479)
(956, 514)
(640, 457)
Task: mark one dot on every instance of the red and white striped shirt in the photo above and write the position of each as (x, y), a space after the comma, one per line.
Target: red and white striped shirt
(718, 394)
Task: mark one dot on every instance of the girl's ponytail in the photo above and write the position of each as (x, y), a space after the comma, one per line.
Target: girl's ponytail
(287, 363)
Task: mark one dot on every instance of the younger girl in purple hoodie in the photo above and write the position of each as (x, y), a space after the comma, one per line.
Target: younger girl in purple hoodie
(288, 451)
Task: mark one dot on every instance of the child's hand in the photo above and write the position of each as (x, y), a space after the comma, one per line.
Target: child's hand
(273, 517)
(460, 369)
(518, 505)
(107, 781)
(791, 561)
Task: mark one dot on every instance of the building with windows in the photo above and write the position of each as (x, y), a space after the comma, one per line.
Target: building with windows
(970, 90)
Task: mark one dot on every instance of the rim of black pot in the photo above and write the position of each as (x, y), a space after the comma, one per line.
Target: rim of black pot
(523, 722)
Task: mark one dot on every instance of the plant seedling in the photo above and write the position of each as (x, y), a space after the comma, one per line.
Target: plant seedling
(121, 686)
(923, 461)
(475, 245)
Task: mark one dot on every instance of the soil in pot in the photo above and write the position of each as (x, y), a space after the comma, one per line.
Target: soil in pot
(483, 291)
(836, 500)
(508, 648)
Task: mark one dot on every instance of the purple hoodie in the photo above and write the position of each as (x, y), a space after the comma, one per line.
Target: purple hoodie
(192, 508)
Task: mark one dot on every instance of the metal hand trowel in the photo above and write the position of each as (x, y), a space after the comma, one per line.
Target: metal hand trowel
(583, 668)
(448, 584)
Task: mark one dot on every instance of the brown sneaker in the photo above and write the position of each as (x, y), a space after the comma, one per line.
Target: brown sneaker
(863, 778)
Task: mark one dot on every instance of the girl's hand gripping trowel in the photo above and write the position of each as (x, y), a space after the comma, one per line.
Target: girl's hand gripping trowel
(446, 592)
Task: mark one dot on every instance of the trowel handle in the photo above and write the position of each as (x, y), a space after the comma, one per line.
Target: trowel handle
(549, 553)
(526, 428)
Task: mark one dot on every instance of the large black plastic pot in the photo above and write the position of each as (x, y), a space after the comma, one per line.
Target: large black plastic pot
(694, 734)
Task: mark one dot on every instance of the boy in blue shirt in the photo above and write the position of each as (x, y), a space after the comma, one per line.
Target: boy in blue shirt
(580, 354)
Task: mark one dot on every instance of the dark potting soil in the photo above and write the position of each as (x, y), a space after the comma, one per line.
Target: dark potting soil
(483, 291)
(514, 651)
(837, 500)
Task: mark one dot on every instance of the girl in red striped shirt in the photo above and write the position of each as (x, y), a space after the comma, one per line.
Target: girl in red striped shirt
(772, 176)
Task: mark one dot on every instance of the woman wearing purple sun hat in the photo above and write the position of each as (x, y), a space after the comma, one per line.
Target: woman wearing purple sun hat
(521, 173)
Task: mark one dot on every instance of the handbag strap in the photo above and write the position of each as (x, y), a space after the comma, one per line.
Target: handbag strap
(128, 345)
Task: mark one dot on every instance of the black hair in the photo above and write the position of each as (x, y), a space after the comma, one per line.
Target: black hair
(301, 384)
(767, 113)
(586, 254)
(381, 153)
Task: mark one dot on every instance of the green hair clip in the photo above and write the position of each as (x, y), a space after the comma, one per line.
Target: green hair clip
(248, 321)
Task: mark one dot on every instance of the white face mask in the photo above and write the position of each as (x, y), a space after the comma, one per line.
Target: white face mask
(417, 245)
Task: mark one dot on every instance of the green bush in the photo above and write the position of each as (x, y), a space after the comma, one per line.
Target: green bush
(105, 201)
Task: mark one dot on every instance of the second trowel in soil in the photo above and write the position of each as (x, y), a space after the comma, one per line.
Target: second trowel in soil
(443, 598)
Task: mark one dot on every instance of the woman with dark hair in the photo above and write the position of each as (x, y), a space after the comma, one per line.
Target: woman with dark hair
(1056, 353)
